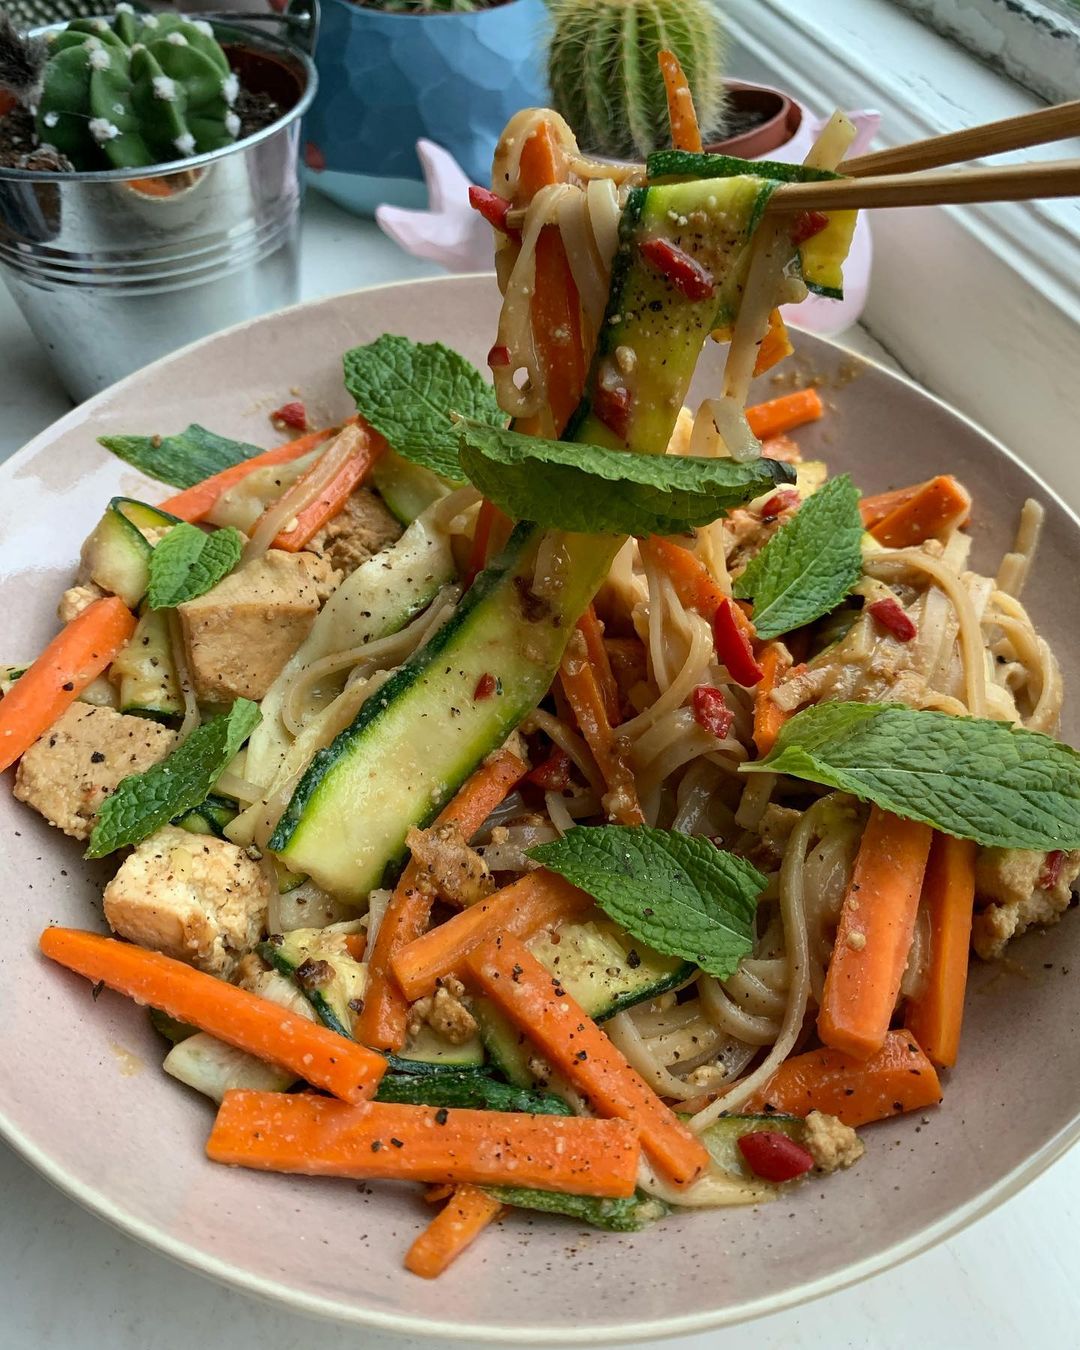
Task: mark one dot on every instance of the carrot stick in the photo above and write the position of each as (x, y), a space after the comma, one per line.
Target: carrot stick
(555, 307)
(938, 507)
(264, 1029)
(592, 630)
(535, 1001)
(331, 501)
(463, 1218)
(76, 656)
(302, 1132)
(935, 1017)
(768, 718)
(685, 132)
(382, 1021)
(775, 345)
(586, 698)
(784, 413)
(693, 583)
(874, 934)
(880, 504)
(538, 900)
(898, 1078)
(195, 503)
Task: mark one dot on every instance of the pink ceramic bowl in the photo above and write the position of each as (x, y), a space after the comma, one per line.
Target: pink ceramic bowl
(81, 1093)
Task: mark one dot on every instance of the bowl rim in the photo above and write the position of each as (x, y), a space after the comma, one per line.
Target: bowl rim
(331, 1309)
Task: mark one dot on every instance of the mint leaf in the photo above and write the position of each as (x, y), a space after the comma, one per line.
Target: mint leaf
(144, 802)
(809, 564)
(187, 563)
(182, 460)
(677, 892)
(407, 391)
(988, 781)
(627, 1215)
(591, 490)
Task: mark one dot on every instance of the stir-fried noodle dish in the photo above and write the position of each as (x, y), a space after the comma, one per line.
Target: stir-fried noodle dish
(536, 788)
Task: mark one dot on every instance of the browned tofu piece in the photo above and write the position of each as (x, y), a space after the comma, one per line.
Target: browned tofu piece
(240, 634)
(80, 760)
(199, 899)
(361, 528)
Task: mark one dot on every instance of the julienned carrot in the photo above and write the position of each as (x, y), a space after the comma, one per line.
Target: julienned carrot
(694, 585)
(264, 1029)
(195, 503)
(537, 900)
(76, 656)
(935, 1017)
(279, 1132)
(385, 1012)
(568, 1038)
(880, 504)
(775, 346)
(592, 630)
(873, 939)
(685, 132)
(938, 507)
(768, 718)
(586, 698)
(330, 502)
(462, 1219)
(478, 551)
(898, 1078)
(784, 413)
(555, 308)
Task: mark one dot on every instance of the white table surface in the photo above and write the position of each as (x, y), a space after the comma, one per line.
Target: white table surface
(69, 1282)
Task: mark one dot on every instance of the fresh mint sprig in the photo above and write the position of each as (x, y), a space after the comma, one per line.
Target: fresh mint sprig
(181, 460)
(188, 562)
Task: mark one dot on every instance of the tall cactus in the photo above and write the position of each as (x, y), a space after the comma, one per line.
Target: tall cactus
(145, 89)
(605, 77)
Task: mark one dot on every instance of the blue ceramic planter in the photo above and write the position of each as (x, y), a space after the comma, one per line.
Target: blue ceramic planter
(387, 79)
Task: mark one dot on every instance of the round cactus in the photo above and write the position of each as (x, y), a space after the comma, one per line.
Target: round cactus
(142, 90)
(605, 75)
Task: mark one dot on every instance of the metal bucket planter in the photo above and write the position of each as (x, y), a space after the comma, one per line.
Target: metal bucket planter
(114, 268)
(385, 80)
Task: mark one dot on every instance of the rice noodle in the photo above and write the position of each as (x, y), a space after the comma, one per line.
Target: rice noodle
(308, 489)
(178, 651)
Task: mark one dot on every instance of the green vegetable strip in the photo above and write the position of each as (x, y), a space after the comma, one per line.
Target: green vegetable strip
(628, 1215)
(988, 781)
(181, 460)
(189, 562)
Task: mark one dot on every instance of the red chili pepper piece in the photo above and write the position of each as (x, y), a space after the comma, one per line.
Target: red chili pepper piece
(486, 685)
(1051, 870)
(553, 775)
(806, 224)
(711, 711)
(787, 499)
(733, 646)
(890, 614)
(491, 206)
(292, 414)
(684, 272)
(772, 1156)
(499, 355)
(613, 407)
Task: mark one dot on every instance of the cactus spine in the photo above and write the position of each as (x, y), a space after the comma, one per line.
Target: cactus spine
(606, 80)
(143, 90)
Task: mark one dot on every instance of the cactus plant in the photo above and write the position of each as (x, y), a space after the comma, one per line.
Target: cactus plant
(142, 90)
(605, 77)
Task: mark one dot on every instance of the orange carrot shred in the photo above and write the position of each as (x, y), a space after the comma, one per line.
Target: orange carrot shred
(76, 656)
(936, 1015)
(570, 1040)
(461, 1220)
(932, 513)
(592, 630)
(768, 718)
(331, 501)
(685, 132)
(775, 345)
(586, 698)
(385, 1012)
(785, 413)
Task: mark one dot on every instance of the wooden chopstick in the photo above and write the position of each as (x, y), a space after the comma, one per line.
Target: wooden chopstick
(956, 147)
(953, 187)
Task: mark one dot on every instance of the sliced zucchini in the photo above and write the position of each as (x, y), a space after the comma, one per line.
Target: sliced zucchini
(173, 1031)
(628, 1215)
(427, 1053)
(242, 504)
(319, 962)
(213, 1068)
(473, 1090)
(209, 818)
(605, 969)
(722, 1140)
(414, 741)
(508, 1049)
(145, 672)
(116, 556)
(408, 489)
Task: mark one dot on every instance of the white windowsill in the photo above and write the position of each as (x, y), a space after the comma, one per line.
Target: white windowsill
(982, 304)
